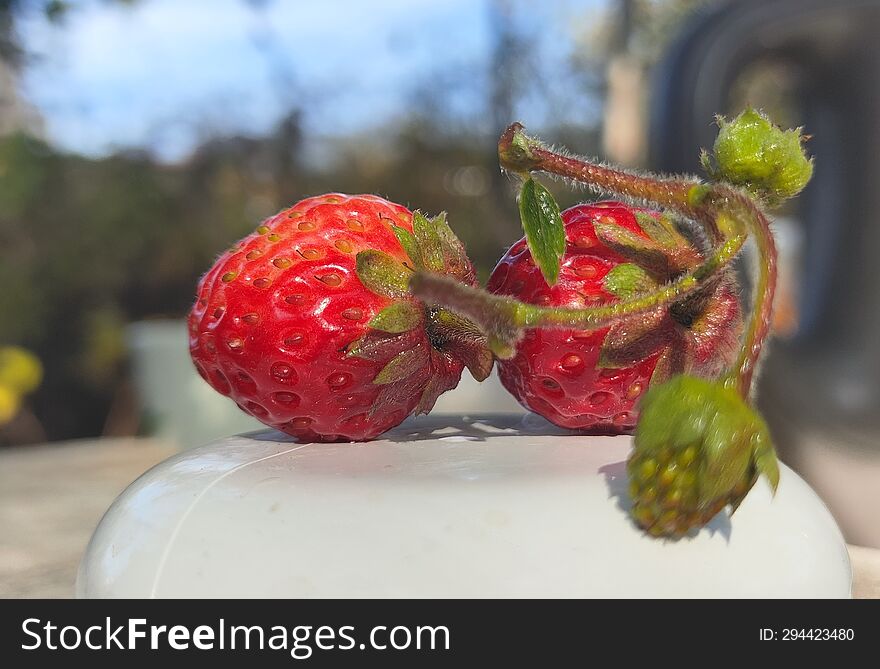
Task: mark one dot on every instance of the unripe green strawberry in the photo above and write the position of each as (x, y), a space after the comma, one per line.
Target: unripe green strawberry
(750, 151)
(698, 448)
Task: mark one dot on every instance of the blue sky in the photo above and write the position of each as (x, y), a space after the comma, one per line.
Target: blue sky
(164, 74)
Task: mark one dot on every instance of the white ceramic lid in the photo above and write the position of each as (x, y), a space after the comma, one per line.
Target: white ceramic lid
(443, 506)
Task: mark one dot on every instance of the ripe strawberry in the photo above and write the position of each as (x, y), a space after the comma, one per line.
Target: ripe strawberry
(591, 380)
(307, 324)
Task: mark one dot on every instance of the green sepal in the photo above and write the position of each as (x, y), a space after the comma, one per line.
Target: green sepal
(460, 338)
(375, 345)
(643, 251)
(390, 394)
(545, 231)
(408, 242)
(454, 255)
(631, 340)
(382, 274)
(397, 317)
(664, 369)
(627, 280)
(429, 242)
(402, 365)
(664, 231)
(434, 388)
(765, 457)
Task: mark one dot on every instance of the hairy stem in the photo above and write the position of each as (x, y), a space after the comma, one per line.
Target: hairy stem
(504, 318)
(741, 373)
(517, 152)
(725, 212)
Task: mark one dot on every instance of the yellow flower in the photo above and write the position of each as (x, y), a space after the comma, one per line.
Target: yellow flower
(20, 371)
(9, 403)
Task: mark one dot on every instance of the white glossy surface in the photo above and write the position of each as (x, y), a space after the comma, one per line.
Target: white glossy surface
(500, 506)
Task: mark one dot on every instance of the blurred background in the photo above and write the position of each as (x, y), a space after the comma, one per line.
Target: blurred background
(139, 138)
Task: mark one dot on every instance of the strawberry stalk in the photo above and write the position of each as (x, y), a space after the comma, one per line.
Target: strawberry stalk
(727, 214)
(699, 445)
(504, 319)
(741, 374)
(724, 213)
(521, 154)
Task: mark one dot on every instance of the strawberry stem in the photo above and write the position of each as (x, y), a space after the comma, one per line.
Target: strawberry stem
(725, 212)
(503, 318)
(742, 372)
(517, 152)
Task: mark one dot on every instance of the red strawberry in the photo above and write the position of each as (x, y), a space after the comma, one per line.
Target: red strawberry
(591, 380)
(307, 324)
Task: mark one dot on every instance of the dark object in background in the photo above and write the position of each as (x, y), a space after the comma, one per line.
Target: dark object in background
(821, 387)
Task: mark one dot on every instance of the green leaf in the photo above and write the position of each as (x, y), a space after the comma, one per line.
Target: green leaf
(545, 232)
(382, 274)
(428, 242)
(402, 365)
(408, 242)
(628, 280)
(397, 317)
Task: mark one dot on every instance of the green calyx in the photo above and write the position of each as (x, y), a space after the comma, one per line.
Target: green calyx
(398, 317)
(429, 246)
(699, 447)
(382, 274)
(628, 280)
(750, 151)
(515, 150)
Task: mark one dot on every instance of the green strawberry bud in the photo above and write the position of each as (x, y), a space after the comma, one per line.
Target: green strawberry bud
(753, 153)
(698, 448)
